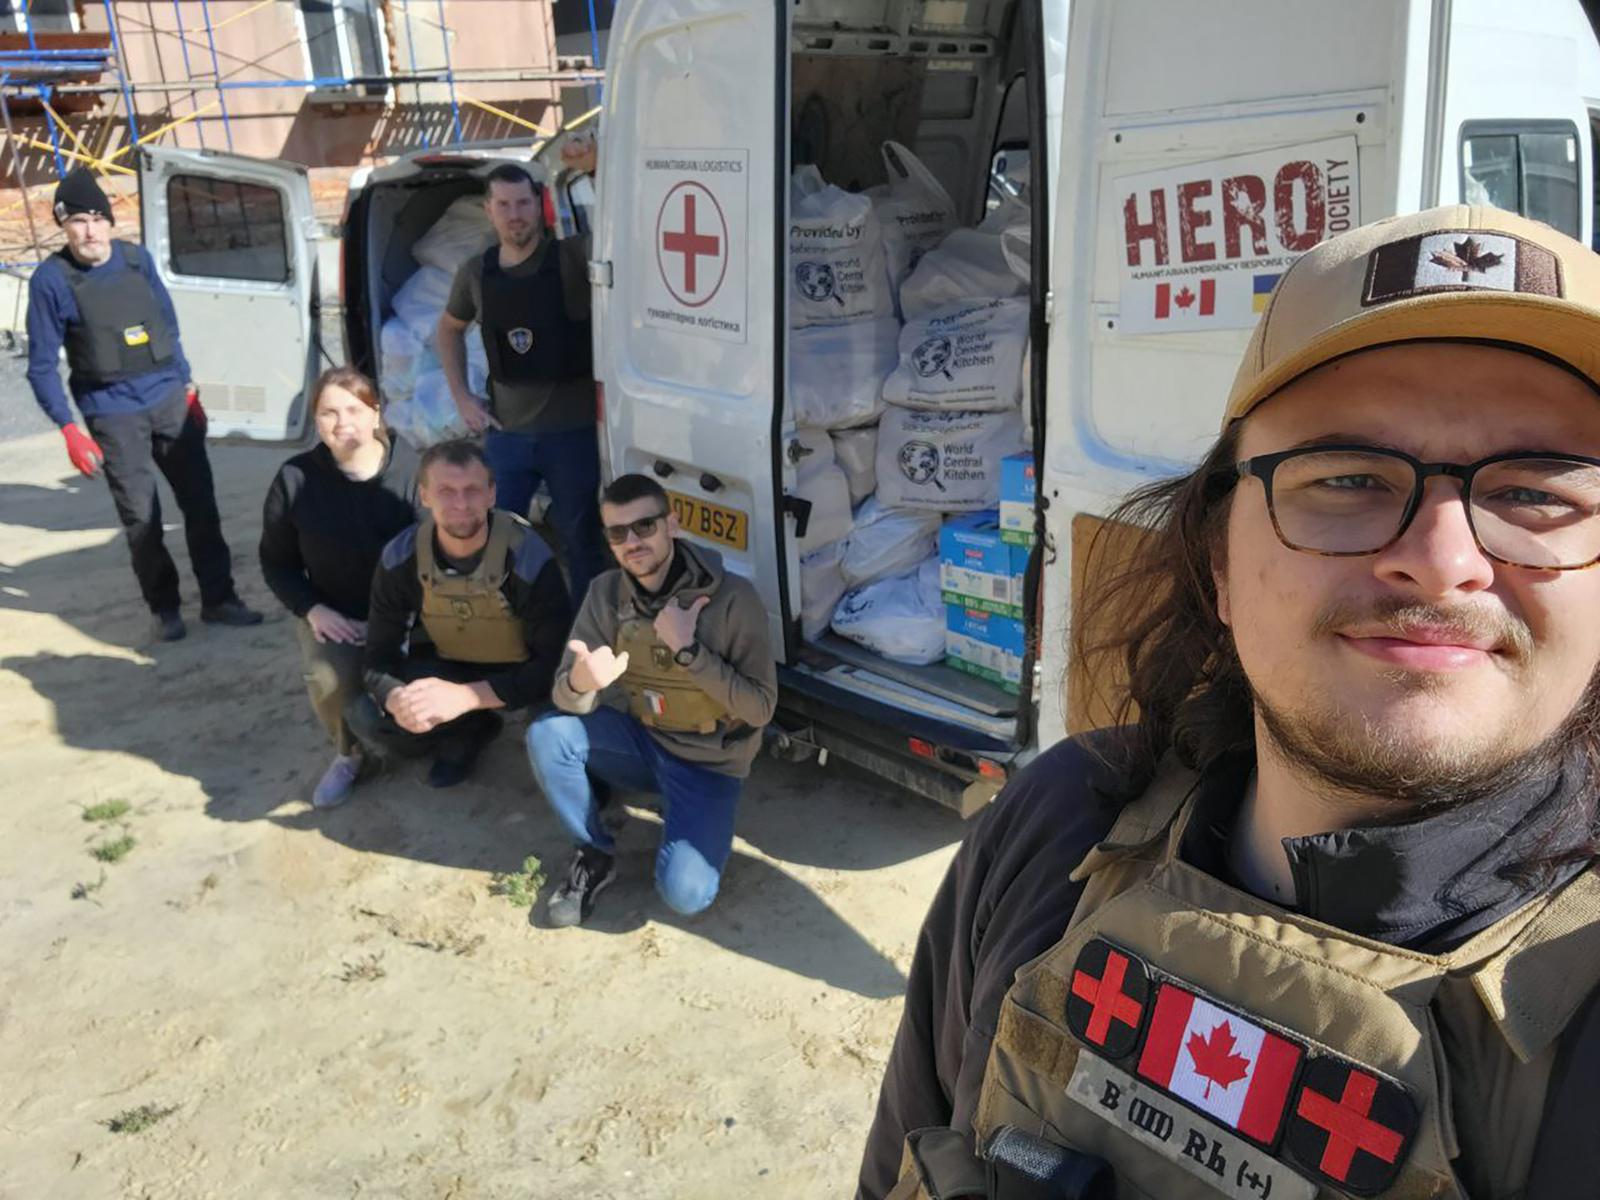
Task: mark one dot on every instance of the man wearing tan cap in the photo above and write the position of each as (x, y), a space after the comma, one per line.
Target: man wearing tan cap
(1321, 917)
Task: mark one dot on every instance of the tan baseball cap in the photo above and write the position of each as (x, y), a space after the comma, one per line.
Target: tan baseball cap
(1450, 272)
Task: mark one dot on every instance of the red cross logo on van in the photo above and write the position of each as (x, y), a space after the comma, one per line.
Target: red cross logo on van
(691, 243)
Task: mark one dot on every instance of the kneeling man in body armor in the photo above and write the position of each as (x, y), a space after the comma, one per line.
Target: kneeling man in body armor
(1320, 916)
(664, 688)
(468, 616)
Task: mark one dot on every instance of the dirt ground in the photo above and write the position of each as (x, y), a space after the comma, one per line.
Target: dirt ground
(335, 1005)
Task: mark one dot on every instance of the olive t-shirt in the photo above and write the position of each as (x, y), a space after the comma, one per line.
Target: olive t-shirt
(537, 406)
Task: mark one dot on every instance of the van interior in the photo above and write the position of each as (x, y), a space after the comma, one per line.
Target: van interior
(955, 81)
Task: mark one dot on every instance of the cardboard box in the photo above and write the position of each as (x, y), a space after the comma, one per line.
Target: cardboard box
(1017, 492)
(977, 568)
(985, 644)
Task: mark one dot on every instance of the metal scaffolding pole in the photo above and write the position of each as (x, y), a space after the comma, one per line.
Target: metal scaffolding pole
(411, 50)
(188, 67)
(16, 168)
(216, 69)
(122, 74)
(449, 73)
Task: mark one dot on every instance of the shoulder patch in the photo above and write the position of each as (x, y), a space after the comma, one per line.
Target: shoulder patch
(401, 547)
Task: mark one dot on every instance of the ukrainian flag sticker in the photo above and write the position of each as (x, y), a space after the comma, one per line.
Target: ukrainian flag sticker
(136, 335)
(1263, 288)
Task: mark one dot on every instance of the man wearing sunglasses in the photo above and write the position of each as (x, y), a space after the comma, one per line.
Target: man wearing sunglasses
(665, 686)
(1321, 916)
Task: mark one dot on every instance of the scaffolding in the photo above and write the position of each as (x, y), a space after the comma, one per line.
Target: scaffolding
(52, 76)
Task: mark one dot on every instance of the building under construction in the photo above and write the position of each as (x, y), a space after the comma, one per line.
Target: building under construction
(331, 84)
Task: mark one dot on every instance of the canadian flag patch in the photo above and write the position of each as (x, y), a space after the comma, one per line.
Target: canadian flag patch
(1233, 1070)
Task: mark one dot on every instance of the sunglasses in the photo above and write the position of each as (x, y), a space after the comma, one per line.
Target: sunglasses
(642, 528)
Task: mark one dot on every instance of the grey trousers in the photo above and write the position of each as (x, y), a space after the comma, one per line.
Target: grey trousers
(333, 673)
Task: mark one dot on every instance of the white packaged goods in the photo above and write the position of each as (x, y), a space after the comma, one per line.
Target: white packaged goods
(463, 230)
(944, 462)
(836, 372)
(837, 271)
(914, 209)
(400, 352)
(477, 362)
(429, 414)
(815, 452)
(421, 299)
(821, 585)
(830, 519)
(856, 452)
(901, 618)
(887, 541)
(964, 357)
(969, 264)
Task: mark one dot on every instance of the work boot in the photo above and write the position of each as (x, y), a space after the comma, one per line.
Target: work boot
(589, 874)
(169, 626)
(229, 612)
(334, 788)
(455, 761)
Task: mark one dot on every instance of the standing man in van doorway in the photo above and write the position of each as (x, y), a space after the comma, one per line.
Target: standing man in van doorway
(102, 299)
(664, 688)
(530, 294)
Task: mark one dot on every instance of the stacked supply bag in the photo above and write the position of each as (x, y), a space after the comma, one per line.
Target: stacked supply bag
(908, 346)
(418, 404)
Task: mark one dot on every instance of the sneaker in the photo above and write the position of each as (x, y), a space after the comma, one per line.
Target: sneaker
(169, 626)
(229, 612)
(590, 873)
(334, 788)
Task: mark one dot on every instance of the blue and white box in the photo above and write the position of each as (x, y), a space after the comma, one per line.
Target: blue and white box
(985, 644)
(977, 568)
(1017, 492)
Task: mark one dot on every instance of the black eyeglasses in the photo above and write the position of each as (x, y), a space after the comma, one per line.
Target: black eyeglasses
(1525, 509)
(642, 528)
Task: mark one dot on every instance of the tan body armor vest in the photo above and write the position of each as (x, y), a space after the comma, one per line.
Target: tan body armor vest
(468, 616)
(661, 694)
(1204, 1042)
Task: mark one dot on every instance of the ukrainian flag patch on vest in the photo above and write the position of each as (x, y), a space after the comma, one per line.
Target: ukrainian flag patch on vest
(136, 335)
(1249, 1096)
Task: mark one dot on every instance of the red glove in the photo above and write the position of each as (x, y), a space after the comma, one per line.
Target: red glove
(196, 413)
(83, 450)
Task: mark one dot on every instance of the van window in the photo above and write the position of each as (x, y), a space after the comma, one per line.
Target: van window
(1525, 167)
(226, 229)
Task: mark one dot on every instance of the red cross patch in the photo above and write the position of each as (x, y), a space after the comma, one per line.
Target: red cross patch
(1351, 1125)
(1107, 998)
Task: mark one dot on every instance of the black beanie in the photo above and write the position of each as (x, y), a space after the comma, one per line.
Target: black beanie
(79, 192)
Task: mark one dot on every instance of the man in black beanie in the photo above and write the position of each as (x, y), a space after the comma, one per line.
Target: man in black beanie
(103, 300)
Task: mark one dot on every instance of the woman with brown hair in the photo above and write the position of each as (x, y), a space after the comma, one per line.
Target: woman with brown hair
(328, 515)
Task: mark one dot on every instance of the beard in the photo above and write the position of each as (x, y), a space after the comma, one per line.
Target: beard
(1348, 755)
(464, 529)
(646, 565)
(522, 237)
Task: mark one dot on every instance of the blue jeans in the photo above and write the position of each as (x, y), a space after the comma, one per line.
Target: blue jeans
(698, 833)
(569, 463)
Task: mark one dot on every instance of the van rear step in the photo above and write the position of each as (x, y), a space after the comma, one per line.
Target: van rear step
(938, 680)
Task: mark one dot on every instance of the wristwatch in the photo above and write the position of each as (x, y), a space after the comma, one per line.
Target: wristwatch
(687, 655)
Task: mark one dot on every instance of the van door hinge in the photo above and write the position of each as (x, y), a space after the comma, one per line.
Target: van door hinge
(600, 273)
(1049, 307)
(799, 508)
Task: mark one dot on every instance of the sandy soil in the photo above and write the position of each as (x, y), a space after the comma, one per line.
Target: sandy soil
(335, 1004)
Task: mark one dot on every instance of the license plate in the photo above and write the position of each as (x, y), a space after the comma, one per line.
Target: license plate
(700, 518)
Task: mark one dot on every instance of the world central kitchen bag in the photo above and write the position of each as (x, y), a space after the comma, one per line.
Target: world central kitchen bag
(836, 264)
(944, 461)
(964, 356)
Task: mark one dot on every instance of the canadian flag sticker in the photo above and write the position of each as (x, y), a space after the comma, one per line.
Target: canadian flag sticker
(1227, 1067)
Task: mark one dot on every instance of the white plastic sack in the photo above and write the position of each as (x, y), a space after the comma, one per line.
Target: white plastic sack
(477, 361)
(837, 272)
(836, 372)
(463, 231)
(963, 357)
(421, 299)
(887, 541)
(399, 353)
(821, 585)
(968, 265)
(815, 452)
(901, 618)
(830, 507)
(856, 452)
(429, 415)
(944, 461)
(914, 209)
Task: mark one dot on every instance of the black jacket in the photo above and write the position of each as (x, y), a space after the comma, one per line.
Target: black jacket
(398, 649)
(323, 532)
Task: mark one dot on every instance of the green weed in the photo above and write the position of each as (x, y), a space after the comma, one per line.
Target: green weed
(137, 1120)
(115, 850)
(106, 810)
(520, 888)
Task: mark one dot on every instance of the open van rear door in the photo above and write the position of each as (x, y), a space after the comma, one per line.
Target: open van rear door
(689, 303)
(232, 238)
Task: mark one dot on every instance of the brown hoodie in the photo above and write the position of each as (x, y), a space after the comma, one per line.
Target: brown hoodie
(735, 664)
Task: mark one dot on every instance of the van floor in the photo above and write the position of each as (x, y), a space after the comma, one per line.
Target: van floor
(939, 680)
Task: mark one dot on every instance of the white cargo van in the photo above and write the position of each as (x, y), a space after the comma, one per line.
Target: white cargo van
(1179, 157)
(235, 241)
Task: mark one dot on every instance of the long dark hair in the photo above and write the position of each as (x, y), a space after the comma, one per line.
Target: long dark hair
(1163, 666)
